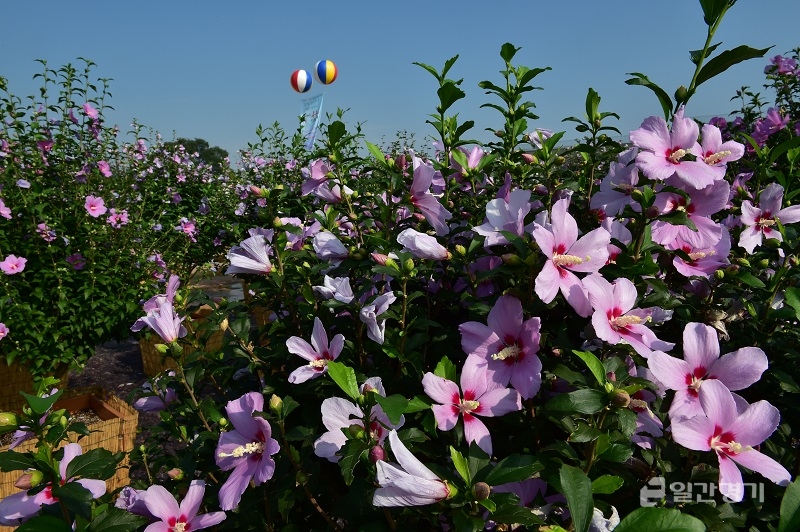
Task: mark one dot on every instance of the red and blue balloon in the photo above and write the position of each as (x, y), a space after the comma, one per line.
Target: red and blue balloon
(301, 80)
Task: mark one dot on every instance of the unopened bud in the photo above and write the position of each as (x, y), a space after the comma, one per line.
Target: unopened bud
(636, 194)
(611, 376)
(764, 263)
(377, 453)
(275, 404)
(223, 422)
(461, 250)
(529, 158)
(681, 94)
(772, 243)
(176, 350)
(223, 325)
(719, 274)
(408, 265)
(400, 161)
(356, 431)
(620, 398)
(143, 449)
(652, 211)
(742, 262)
(301, 478)
(162, 348)
(380, 258)
(560, 160)
(8, 420)
(175, 473)
(481, 491)
(29, 480)
(512, 259)
(390, 262)
(257, 191)
(277, 222)
(63, 421)
(499, 133)
(540, 190)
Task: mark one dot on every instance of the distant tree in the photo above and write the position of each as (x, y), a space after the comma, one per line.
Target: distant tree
(209, 155)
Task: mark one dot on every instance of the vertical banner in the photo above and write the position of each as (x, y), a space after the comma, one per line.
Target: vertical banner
(312, 108)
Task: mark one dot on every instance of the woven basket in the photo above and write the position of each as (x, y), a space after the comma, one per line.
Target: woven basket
(155, 363)
(116, 431)
(15, 379)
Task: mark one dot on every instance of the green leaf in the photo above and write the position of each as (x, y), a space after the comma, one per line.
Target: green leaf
(749, 279)
(345, 377)
(445, 369)
(577, 488)
(75, 497)
(515, 514)
(661, 94)
(659, 520)
(507, 52)
(116, 520)
(678, 217)
(449, 94)
(712, 10)
(790, 508)
(782, 148)
(616, 452)
(513, 468)
(40, 405)
(606, 484)
(696, 55)
(417, 404)
(95, 463)
(376, 152)
(727, 59)
(351, 453)
(585, 401)
(594, 365)
(393, 406)
(461, 465)
(14, 461)
(45, 523)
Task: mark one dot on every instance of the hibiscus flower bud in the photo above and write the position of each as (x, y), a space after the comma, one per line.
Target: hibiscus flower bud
(377, 453)
(223, 422)
(620, 398)
(300, 478)
(275, 404)
(719, 274)
(481, 491)
(637, 195)
(390, 262)
(540, 190)
(356, 431)
(652, 211)
(162, 348)
(380, 258)
(741, 261)
(29, 480)
(681, 94)
(277, 222)
(8, 420)
(511, 259)
(529, 158)
(772, 243)
(175, 473)
(408, 265)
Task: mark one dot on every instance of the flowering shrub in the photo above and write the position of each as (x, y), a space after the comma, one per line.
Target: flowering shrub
(86, 225)
(502, 336)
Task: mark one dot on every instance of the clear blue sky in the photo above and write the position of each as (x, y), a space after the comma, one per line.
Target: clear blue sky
(216, 70)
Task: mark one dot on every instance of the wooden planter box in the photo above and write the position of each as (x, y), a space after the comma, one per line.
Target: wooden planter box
(15, 379)
(116, 431)
(155, 363)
